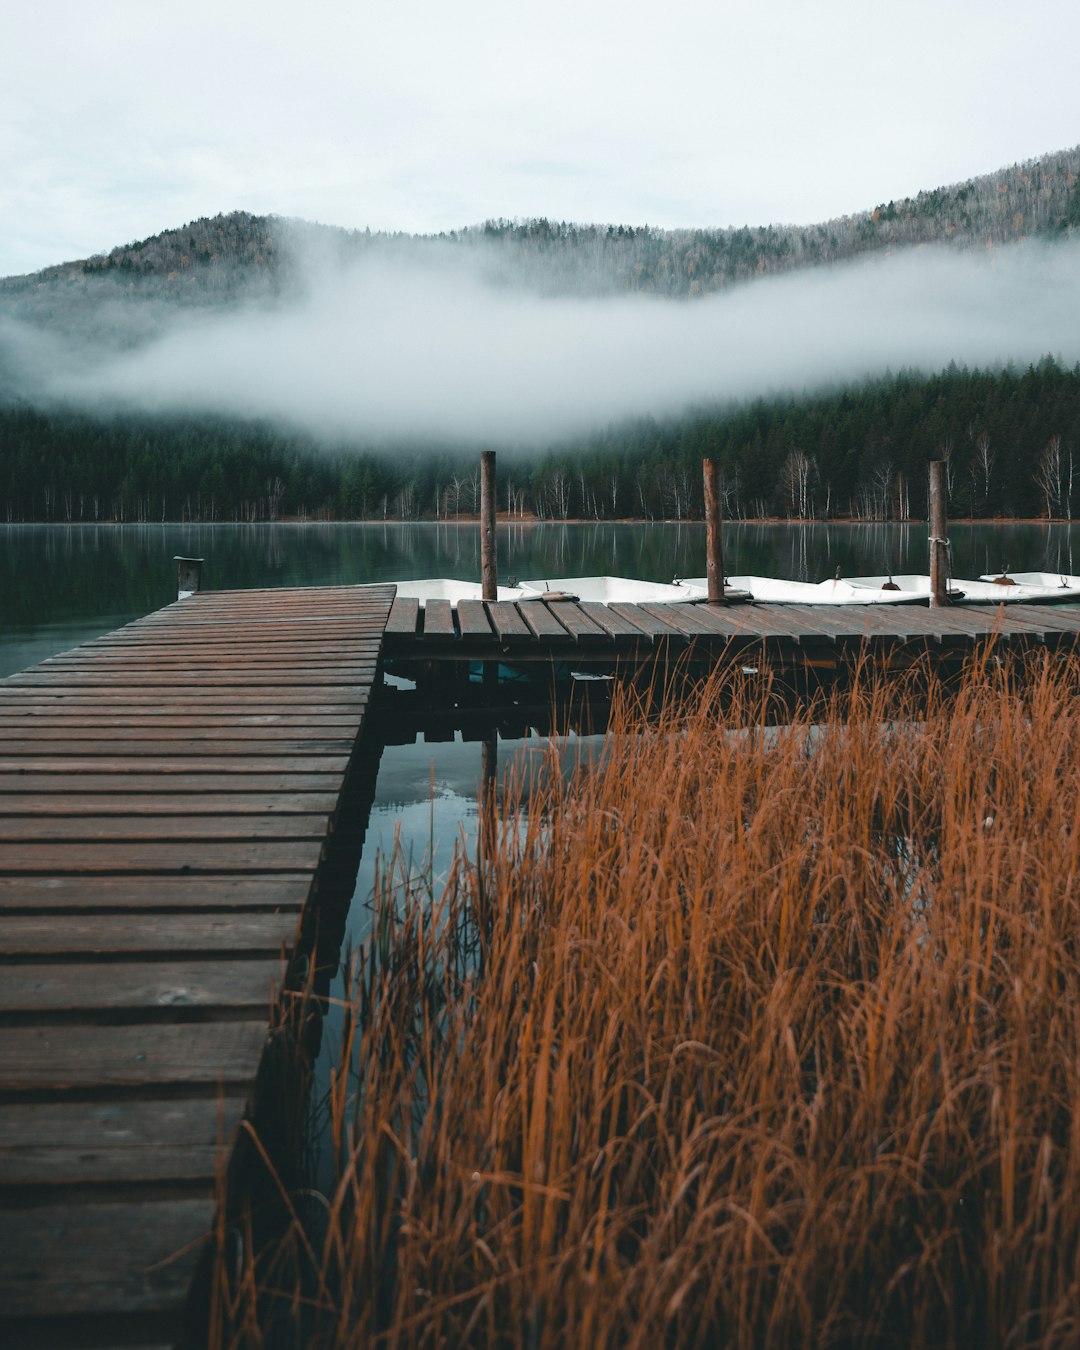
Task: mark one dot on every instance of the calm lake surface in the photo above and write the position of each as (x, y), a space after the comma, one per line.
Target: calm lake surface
(63, 584)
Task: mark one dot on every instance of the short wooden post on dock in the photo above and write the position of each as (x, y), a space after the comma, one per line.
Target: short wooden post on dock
(714, 533)
(188, 575)
(939, 532)
(488, 571)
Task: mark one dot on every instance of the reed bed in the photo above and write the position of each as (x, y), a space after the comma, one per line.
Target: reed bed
(748, 1035)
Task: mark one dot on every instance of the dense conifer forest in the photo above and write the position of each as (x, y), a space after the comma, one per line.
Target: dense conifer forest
(1011, 438)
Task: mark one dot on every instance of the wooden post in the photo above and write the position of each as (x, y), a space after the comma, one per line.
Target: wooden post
(488, 570)
(188, 576)
(489, 793)
(939, 531)
(714, 532)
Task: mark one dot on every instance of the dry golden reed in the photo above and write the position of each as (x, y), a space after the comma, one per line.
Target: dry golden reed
(747, 1035)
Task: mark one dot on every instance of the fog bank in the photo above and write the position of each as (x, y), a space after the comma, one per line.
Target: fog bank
(430, 348)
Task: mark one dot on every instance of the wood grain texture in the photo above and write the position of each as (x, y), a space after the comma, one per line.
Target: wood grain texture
(25, 935)
(155, 893)
(49, 1145)
(94, 1258)
(161, 987)
(60, 1058)
(166, 793)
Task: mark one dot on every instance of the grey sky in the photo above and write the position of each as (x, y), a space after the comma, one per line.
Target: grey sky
(119, 118)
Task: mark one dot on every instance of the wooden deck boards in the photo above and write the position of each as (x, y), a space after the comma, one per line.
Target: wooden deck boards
(535, 630)
(166, 792)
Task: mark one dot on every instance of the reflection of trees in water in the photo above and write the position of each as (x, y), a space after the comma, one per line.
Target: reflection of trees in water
(1058, 549)
(273, 548)
(50, 572)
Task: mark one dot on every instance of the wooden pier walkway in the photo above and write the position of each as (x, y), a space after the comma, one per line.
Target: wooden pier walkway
(593, 634)
(166, 792)
(166, 795)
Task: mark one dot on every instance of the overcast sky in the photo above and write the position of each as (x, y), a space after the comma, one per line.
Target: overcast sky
(119, 118)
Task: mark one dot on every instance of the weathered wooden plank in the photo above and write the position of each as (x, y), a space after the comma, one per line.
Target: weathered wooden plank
(347, 701)
(259, 855)
(251, 751)
(172, 719)
(766, 622)
(183, 893)
(240, 629)
(652, 625)
(118, 730)
(575, 620)
(80, 664)
(44, 828)
(61, 1058)
(163, 987)
(595, 613)
(242, 763)
(336, 699)
(715, 620)
(273, 644)
(439, 619)
(255, 935)
(618, 628)
(510, 628)
(39, 678)
(404, 616)
(92, 1258)
(67, 781)
(59, 1143)
(544, 623)
(681, 618)
(271, 807)
(253, 654)
(473, 621)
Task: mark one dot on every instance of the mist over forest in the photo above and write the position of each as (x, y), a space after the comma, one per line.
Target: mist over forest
(248, 367)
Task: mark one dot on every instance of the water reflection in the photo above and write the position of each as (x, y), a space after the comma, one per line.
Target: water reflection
(61, 584)
(426, 805)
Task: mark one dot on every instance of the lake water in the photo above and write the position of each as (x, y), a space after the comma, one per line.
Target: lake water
(63, 584)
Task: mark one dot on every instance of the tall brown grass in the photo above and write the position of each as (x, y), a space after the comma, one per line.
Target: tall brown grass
(746, 1035)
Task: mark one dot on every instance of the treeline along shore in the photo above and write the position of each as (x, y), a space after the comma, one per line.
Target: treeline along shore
(1011, 439)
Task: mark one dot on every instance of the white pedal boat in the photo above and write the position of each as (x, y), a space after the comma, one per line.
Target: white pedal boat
(912, 584)
(1053, 587)
(446, 588)
(609, 590)
(838, 591)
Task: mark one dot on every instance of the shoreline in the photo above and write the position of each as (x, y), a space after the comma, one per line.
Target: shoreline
(502, 518)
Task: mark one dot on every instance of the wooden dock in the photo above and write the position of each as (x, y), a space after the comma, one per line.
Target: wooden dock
(788, 636)
(166, 794)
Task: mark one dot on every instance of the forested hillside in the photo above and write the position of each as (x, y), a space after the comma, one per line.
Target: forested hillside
(1010, 436)
(1012, 440)
(216, 260)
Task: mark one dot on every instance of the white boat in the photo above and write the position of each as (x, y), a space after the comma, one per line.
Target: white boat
(447, 588)
(774, 591)
(697, 588)
(912, 584)
(1059, 587)
(609, 590)
(1011, 591)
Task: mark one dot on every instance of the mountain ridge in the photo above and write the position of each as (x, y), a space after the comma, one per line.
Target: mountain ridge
(242, 254)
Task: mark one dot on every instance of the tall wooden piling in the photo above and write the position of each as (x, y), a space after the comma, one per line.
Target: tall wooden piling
(939, 536)
(488, 570)
(714, 533)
